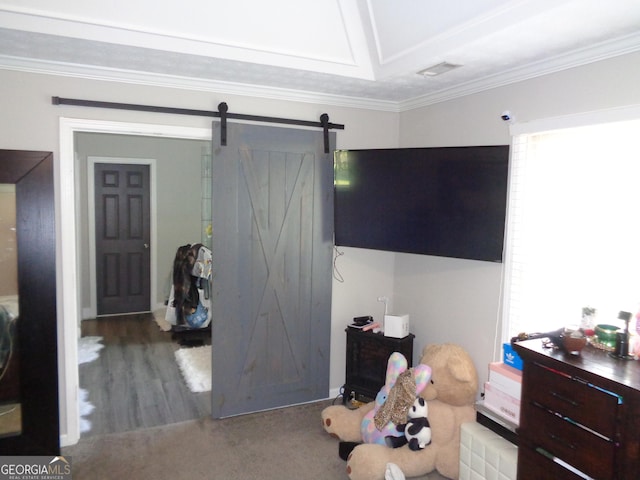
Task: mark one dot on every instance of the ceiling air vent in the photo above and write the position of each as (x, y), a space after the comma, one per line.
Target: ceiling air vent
(438, 69)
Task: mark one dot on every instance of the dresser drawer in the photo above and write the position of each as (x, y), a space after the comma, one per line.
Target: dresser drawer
(584, 450)
(584, 403)
(533, 465)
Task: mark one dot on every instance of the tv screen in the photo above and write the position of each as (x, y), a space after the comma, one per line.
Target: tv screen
(445, 201)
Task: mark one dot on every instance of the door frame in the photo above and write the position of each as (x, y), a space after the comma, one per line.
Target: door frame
(91, 311)
(68, 260)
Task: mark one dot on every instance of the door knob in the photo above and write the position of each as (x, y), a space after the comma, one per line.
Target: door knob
(146, 245)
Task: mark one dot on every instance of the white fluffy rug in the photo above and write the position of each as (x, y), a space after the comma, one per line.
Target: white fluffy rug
(159, 317)
(195, 366)
(88, 351)
(86, 407)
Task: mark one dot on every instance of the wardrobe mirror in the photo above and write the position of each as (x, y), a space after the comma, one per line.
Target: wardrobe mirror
(10, 410)
(29, 418)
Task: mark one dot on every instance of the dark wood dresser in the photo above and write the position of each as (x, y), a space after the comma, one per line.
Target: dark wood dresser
(580, 414)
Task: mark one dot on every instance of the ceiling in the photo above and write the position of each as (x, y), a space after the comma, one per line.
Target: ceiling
(363, 53)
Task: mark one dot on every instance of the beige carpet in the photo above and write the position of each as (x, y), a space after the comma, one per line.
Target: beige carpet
(284, 444)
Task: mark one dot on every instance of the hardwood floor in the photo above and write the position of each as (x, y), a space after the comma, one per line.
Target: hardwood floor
(136, 383)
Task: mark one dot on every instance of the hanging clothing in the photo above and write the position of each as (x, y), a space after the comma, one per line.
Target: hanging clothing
(189, 302)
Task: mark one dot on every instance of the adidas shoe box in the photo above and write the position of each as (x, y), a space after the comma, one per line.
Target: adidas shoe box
(510, 356)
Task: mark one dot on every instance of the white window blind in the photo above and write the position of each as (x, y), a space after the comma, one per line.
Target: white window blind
(573, 229)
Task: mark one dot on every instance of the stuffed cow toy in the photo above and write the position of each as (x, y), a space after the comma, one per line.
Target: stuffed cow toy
(450, 396)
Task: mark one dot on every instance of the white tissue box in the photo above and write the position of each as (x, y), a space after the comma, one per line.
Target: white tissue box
(396, 326)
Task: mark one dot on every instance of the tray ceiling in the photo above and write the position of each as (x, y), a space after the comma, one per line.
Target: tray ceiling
(353, 52)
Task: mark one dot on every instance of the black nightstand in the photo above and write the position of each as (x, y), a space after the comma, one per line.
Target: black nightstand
(367, 356)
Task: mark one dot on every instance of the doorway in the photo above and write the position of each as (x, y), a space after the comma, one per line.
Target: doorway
(73, 236)
(126, 221)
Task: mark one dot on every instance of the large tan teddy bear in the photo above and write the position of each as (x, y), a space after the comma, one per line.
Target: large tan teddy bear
(450, 397)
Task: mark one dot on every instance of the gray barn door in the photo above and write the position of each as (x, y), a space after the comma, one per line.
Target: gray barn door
(272, 211)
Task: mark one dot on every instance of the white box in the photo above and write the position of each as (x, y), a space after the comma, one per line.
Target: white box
(485, 454)
(396, 326)
(506, 378)
(501, 403)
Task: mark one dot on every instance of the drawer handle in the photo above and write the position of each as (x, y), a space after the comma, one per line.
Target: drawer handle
(556, 438)
(565, 399)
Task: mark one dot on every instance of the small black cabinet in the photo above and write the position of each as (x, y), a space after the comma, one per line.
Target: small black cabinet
(367, 356)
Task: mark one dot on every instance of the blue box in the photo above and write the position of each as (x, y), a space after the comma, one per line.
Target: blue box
(510, 357)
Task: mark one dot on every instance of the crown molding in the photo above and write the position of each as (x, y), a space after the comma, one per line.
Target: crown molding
(47, 67)
(602, 51)
(578, 58)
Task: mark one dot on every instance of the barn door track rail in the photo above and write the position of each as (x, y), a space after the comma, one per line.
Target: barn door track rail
(222, 113)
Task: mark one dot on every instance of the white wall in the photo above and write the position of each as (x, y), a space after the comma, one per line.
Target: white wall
(458, 300)
(360, 277)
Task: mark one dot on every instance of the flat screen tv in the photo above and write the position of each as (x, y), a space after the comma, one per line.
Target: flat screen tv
(445, 201)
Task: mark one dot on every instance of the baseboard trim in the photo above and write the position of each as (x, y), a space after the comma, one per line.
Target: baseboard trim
(335, 392)
(65, 441)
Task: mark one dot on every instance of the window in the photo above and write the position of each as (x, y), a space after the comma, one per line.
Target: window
(573, 232)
